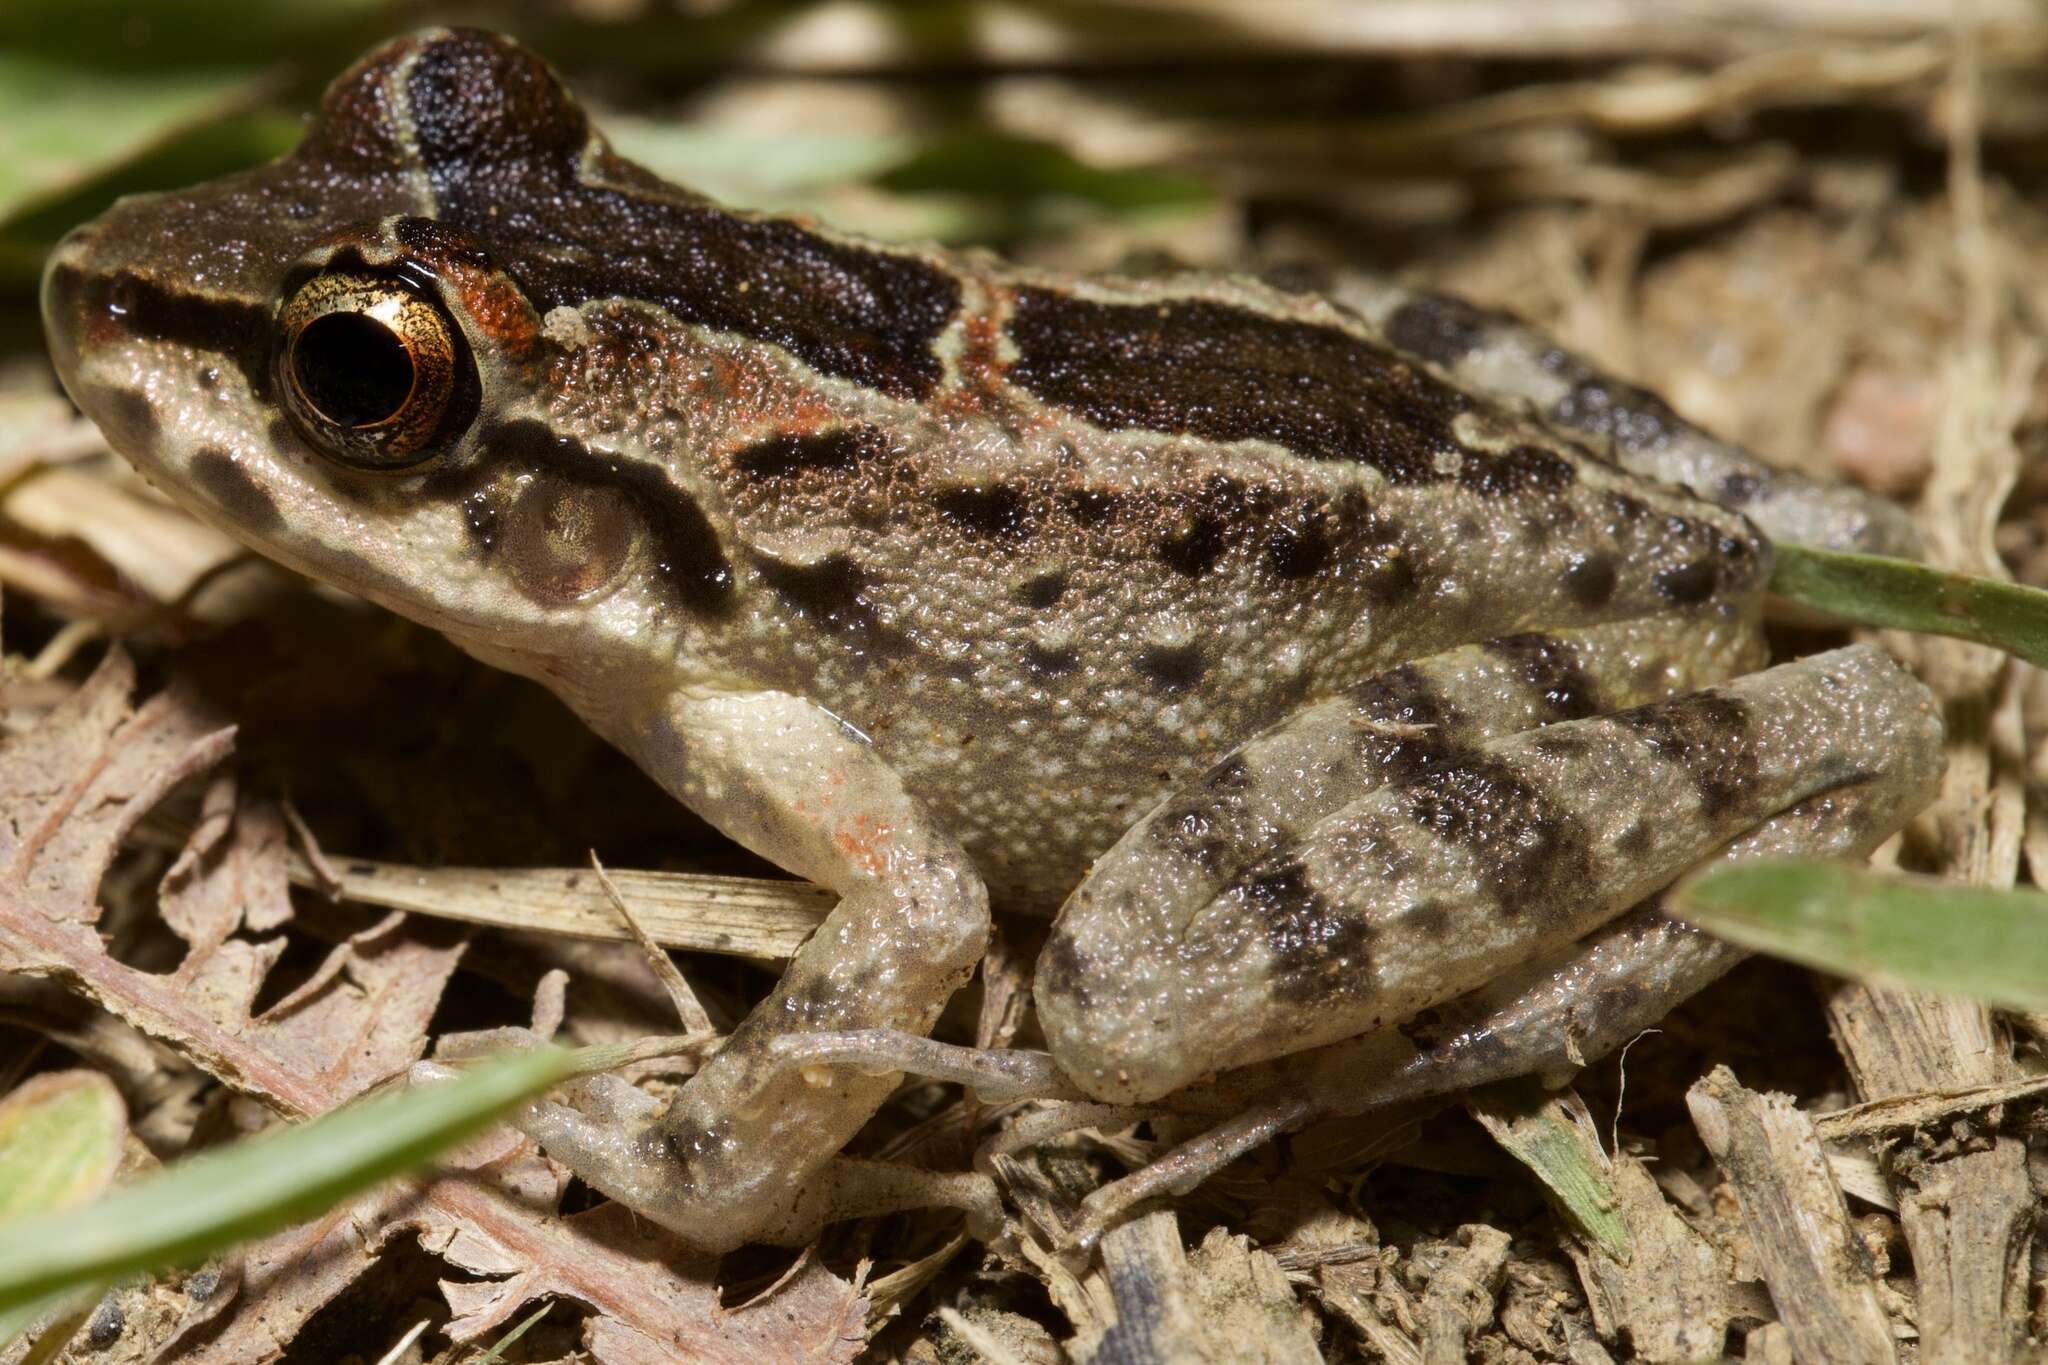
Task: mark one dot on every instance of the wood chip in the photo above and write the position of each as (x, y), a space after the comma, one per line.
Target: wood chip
(1226, 1302)
(1819, 1274)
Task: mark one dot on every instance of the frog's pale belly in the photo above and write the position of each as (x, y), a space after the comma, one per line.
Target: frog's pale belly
(1325, 658)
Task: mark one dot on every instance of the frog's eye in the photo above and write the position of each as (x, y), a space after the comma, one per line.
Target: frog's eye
(369, 369)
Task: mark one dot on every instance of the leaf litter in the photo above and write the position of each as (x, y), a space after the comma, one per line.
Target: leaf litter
(73, 785)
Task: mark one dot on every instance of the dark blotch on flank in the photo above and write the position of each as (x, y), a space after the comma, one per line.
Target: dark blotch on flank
(1391, 579)
(1431, 919)
(1176, 668)
(999, 512)
(1550, 668)
(1689, 584)
(1706, 733)
(232, 489)
(1440, 328)
(1590, 580)
(1531, 853)
(1516, 472)
(686, 550)
(502, 145)
(1627, 511)
(1049, 662)
(1194, 548)
(1631, 418)
(1635, 841)
(1299, 547)
(832, 594)
(1317, 953)
(791, 453)
(1042, 590)
(1741, 488)
(1192, 367)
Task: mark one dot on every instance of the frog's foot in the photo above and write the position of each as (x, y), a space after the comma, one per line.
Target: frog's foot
(609, 1130)
(1303, 914)
(742, 1153)
(1493, 352)
(1547, 1018)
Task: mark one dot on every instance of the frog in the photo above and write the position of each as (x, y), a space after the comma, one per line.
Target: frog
(1345, 668)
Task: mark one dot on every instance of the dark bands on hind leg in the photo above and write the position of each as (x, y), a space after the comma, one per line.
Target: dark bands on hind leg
(1397, 726)
(1474, 859)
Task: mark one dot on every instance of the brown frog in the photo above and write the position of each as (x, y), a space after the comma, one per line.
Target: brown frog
(1323, 658)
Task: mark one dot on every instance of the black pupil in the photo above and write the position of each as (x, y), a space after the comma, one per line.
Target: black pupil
(352, 368)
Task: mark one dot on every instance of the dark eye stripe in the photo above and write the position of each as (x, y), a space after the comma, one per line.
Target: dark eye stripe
(140, 307)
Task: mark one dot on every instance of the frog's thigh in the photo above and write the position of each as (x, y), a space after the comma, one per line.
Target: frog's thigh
(733, 1159)
(1143, 894)
(1188, 849)
(1547, 1017)
(1479, 856)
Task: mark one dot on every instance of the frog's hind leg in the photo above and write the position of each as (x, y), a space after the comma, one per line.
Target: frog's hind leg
(1497, 353)
(1547, 1018)
(1196, 843)
(1454, 863)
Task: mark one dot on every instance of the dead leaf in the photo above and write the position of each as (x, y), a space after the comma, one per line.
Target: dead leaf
(71, 788)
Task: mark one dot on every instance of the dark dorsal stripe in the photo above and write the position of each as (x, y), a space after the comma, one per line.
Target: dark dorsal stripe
(1196, 368)
(500, 142)
(686, 550)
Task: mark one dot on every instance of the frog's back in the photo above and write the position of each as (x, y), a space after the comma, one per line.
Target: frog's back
(1129, 525)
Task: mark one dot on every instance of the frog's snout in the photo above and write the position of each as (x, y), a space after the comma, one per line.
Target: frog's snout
(64, 302)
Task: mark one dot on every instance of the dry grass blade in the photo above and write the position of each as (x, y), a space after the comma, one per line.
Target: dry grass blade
(741, 916)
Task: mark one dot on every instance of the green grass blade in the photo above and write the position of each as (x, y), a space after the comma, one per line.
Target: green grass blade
(1539, 1130)
(211, 1201)
(1871, 590)
(62, 125)
(1990, 945)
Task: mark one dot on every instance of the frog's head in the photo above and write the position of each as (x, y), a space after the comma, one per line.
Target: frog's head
(367, 361)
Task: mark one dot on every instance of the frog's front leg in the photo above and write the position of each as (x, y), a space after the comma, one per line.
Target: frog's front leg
(1478, 856)
(742, 1153)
